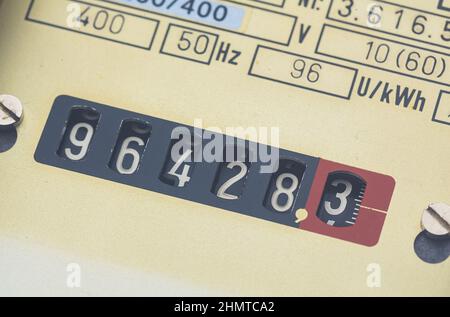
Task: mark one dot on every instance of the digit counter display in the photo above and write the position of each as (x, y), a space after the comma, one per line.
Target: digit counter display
(135, 149)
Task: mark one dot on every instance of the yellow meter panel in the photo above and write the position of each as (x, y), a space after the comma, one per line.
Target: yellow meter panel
(225, 147)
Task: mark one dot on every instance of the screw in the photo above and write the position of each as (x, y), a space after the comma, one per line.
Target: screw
(436, 220)
(11, 111)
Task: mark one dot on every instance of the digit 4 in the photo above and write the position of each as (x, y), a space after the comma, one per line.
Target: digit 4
(183, 178)
(85, 21)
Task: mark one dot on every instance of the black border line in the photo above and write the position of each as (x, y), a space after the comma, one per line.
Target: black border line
(161, 51)
(390, 33)
(216, 27)
(441, 6)
(376, 67)
(148, 48)
(283, 2)
(301, 86)
(436, 108)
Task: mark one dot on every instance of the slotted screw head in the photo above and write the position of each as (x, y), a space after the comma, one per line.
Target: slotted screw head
(11, 111)
(436, 219)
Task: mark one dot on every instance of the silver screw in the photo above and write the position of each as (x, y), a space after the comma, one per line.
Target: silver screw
(11, 111)
(436, 219)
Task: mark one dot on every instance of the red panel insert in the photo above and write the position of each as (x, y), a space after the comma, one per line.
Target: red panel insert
(372, 213)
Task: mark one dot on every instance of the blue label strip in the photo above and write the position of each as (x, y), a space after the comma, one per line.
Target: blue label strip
(208, 12)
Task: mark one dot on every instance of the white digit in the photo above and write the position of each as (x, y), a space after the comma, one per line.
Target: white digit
(74, 11)
(222, 192)
(183, 178)
(83, 144)
(125, 150)
(341, 196)
(289, 192)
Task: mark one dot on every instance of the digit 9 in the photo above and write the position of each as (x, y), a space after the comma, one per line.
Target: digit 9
(79, 133)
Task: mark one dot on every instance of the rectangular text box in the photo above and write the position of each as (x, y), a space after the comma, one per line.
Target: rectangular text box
(381, 53)
(276, 3)
(237, 18)
(442, 111)
(190, 44)
(94, 20)
(304, 72)
(444, 5)
(394, 19)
